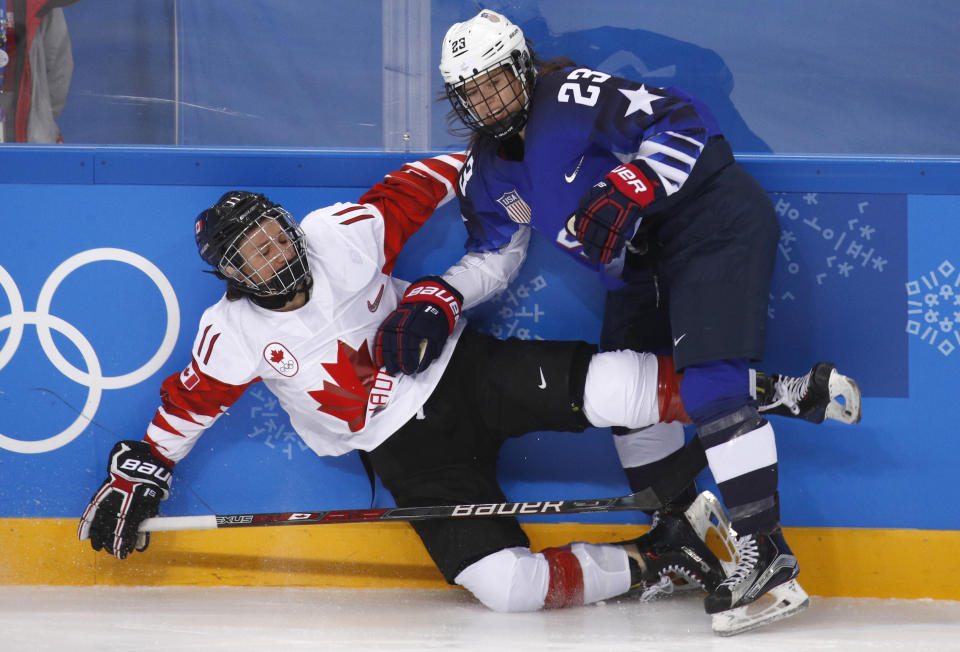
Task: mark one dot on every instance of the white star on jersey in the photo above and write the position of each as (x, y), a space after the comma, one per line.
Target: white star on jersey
(640, 99)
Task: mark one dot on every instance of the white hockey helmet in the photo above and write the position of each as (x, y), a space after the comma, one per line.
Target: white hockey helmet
(472, 50)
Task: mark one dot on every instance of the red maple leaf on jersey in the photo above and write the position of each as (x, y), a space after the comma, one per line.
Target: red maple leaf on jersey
(276, 356)
(354, 373)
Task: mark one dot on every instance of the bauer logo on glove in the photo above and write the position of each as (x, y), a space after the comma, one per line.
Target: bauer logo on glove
(413, 335)
(136, 483)
(451, 300)
(610, 212)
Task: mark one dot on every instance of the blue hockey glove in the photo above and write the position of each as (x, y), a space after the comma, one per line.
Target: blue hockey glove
(136, 483)
(610, 212)
(412, 336)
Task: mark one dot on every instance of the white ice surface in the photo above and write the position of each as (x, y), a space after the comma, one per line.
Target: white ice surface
(184, 618)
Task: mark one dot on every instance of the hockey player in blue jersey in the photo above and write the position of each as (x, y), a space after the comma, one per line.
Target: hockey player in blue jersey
(639, 185)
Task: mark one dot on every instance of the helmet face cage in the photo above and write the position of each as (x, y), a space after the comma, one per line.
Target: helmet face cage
(269, 257)
(482, 95)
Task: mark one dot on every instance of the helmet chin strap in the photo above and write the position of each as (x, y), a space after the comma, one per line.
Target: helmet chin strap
(275, 301)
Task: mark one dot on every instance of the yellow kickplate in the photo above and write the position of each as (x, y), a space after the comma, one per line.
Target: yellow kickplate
(834, 562)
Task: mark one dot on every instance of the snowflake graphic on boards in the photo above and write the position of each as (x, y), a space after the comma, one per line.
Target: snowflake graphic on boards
(933, 308)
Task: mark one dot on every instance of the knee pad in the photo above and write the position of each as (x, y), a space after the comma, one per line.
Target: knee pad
(512, 579)
(621, 390)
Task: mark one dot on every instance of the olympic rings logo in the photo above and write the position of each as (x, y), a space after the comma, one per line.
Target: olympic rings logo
(93, 378)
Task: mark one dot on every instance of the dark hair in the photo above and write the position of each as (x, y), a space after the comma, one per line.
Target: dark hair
(543, 67)
(233, 294)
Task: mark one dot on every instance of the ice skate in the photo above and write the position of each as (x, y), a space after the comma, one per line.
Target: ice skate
(823, 393)
(761, 590)
(692, 550)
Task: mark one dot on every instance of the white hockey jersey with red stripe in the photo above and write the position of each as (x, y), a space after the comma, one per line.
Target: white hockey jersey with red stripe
(317, 360)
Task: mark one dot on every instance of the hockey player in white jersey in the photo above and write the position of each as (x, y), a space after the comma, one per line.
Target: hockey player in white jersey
(303, 313)
(312, 311)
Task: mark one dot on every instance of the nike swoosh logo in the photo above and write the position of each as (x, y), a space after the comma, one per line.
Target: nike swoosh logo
(571, 177)
(372, 307)
(677, 340)
(543, 381)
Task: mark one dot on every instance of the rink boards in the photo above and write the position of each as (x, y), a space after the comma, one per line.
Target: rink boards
(102, 290)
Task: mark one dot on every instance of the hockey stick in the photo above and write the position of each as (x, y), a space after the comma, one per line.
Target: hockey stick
(687, 465)
(642, 500)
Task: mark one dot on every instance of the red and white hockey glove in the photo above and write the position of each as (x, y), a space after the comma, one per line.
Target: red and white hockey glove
(610, 212)
(132, 492)
(412, 336)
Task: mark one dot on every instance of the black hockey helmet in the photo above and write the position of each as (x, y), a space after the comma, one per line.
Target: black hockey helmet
(240, 217)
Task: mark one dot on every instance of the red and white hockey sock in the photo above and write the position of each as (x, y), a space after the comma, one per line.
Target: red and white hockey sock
(515, 579)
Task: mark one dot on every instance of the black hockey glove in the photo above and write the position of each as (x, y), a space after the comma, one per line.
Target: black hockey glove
(413, 335)
(132, 492)
(610, 212)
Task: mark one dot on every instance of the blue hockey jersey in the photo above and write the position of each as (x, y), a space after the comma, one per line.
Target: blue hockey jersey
(582, 125)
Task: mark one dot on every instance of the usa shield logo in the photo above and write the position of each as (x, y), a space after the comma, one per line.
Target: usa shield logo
(517, 209)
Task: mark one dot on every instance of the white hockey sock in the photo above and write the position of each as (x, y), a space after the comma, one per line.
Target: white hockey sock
(515, 579)
(606, 570)
(744, 454)
(647, 445)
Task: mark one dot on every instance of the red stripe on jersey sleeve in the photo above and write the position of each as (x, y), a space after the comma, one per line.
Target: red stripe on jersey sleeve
(206, 396)
(196, 399)
(359, 218)
(203, 339)
(163, 424)
(407, 198)
(444, 169)
(213, 340)
(176, 411)
(156, 449)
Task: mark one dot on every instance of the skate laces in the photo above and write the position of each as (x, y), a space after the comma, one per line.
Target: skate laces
(790, 390)
(667, 583)
(664, 586)
(749, 554)
(672, 576)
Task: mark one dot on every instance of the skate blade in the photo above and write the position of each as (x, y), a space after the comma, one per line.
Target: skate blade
(843, 386)
(783, 601)
(709, 520)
